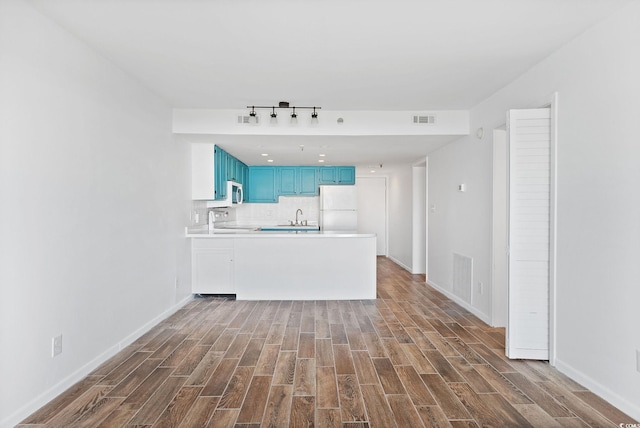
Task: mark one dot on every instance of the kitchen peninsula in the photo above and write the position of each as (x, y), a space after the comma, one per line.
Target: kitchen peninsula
(270, 262)
(259, 265)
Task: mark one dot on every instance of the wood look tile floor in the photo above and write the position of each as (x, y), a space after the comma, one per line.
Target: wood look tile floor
(410, 358)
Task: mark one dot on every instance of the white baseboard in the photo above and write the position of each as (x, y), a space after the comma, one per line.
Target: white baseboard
(484, 317)
(399, 263)
(626, 406)
(82, 372)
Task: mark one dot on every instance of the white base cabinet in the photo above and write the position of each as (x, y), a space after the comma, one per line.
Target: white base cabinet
(286, 266)
(212, 266)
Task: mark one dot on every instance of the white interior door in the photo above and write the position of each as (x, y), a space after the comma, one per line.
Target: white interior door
(372, 209)
(529, 133)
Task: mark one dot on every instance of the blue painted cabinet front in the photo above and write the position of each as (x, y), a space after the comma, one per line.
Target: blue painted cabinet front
(337, 175)
(220, 172)
(287, 180)
(308, 181)
(262, 184)
(346, 174)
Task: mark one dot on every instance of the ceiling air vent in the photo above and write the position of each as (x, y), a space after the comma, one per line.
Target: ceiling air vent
(244, 120)
(424, 119)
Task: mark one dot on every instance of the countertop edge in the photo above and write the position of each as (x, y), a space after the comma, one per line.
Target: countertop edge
(267, 235)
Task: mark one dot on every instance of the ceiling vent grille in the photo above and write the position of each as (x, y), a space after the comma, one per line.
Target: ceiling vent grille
(244, 120)
(424, 119)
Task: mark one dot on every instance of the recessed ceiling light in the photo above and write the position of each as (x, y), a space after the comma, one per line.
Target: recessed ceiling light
(322, 155)
(269, 160)
(373, 170)
(321, 160)
(265, 154)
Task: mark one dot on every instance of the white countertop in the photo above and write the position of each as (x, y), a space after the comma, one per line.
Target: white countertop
(203, 232)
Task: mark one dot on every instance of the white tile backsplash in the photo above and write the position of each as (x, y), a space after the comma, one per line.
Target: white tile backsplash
(264, 214)
(280, 213)
(199, 208)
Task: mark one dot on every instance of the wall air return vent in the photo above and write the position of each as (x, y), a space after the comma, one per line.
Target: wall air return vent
(462, 276)
(245, 120)
(424, 119)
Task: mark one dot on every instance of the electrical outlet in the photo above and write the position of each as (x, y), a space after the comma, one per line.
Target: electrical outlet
(480, 287)
(177, 283)
(638, 360)
(56, 346)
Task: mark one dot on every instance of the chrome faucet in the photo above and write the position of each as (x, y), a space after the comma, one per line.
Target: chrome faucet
(298, 211)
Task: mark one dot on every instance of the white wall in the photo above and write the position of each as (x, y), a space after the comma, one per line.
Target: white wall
(400, 196)
(461, 221)
(93, 194)
(598, 232)
(419, 220)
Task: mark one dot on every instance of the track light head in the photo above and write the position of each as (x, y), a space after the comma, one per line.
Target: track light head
(252, 115)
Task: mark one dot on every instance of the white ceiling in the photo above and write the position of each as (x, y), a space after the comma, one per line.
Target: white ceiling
(338, 54)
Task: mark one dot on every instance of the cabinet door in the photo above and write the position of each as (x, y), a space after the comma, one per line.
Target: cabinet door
(308, 181)
(327, 175)
(220, 171)
(230, 167)
(287, 178)
(213, 271)
(346, 175)
(262, 184)
(240, 174)
(202, 171)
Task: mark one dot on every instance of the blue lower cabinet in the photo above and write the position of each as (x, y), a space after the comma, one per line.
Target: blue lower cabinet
(262, 184)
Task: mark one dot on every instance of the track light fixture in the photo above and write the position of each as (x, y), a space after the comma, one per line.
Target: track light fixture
(283, 104)
(252, 116)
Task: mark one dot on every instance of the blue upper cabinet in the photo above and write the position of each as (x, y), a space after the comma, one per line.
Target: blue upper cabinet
(262, 184)
(220, 171)
(297, 180)
(337, 175)
(267, 183)
(308, 181)
(287, 177)
(346, 174)
(235, 169)
(227, 168)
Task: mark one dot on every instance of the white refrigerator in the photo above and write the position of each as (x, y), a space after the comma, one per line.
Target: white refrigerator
(339, 208)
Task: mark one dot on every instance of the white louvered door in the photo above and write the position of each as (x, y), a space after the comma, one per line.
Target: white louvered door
(529, 134)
